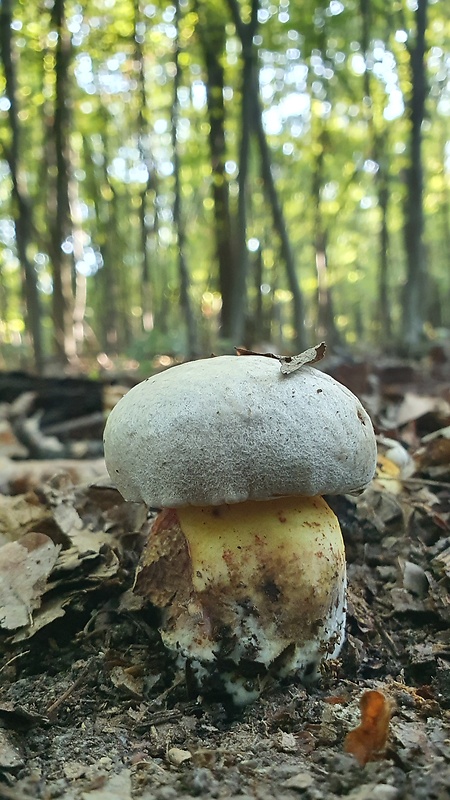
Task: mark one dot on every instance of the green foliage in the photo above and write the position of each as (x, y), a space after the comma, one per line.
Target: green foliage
(334, 95)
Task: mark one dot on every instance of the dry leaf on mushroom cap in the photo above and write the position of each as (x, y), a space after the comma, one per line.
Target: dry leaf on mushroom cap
(291, 364)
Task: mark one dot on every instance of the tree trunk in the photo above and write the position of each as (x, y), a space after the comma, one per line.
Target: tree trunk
(146, 208)
(445, 213)
(384, 306)
(80, 294)
(246, 33)
(279, 224)
(378, 153)
(415, 308)
(106, 283)
(213, 38)
(4, 296)
(326, 325)
(121, 211)
(60, 221)
(259, 309)
(251, 122)
(185, 300)
(22, 213)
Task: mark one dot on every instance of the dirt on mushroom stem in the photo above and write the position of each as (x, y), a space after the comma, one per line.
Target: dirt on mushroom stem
(248, 591)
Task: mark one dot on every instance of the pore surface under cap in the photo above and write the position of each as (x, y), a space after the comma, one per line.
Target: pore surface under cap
(223, 430)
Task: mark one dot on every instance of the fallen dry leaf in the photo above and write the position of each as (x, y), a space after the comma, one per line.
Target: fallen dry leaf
(126, 683)
(24, 568)
(176, 756)
(442, 561)
(291, 363)
(19, 515)
(311, 356)
(368, 740)
(434, 450)
(94, 530)
(51, 609)
(414, 406)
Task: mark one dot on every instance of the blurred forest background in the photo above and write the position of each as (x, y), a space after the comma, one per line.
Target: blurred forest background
(178, 178)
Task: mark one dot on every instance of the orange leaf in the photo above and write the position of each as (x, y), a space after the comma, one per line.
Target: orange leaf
(367, 740)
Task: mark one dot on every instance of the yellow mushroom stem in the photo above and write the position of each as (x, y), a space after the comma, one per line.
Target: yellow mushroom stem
(248, 589)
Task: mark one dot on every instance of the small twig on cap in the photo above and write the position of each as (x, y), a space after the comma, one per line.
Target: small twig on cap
(290, 363)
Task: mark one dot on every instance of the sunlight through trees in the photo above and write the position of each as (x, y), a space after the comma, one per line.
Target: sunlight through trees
(182, 178)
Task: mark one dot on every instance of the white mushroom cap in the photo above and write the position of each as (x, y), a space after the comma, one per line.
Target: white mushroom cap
(228, 429)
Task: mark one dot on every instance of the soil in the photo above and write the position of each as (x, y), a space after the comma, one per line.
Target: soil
(92, 706)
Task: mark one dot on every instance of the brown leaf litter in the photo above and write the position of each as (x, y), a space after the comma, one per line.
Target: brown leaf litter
(92, 707)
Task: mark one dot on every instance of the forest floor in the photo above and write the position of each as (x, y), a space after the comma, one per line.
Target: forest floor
(92, 708)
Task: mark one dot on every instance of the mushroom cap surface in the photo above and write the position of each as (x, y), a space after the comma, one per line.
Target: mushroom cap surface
(228, 429)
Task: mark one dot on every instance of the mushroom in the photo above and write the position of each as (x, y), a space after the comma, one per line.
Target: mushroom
(246, 560)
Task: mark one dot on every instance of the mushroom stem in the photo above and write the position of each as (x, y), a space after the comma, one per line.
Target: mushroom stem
(249, 589)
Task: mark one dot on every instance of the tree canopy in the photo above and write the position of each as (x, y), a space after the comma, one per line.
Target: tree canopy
(180, 178)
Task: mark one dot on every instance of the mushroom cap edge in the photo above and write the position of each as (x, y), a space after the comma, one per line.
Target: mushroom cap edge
(228, 429)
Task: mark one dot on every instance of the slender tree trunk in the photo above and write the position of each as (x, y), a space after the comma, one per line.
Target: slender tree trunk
(146, 230)
(213, 39)
(279, 224)
(259, 309)
(264, 306)
(4, 296)
(326, 325)
(445, 212)
(246, 33)
(185, 300)
(251, 122)
(379, 156)
(112, 213)
(22, 213)
(84, 336)
(384, 305)
(60, 221)
(106, 284)
(122, 210)
(415, 308)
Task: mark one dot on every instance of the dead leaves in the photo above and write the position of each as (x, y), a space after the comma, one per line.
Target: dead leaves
(434, 452)
(21, 514)
(24, 569)
(368, 740)
(74, 541)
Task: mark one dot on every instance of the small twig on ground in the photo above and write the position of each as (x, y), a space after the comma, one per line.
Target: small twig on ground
(14, 658)
(159, 718)
(81, 677)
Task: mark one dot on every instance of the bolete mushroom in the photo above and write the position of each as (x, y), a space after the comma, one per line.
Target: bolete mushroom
(246, 560)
